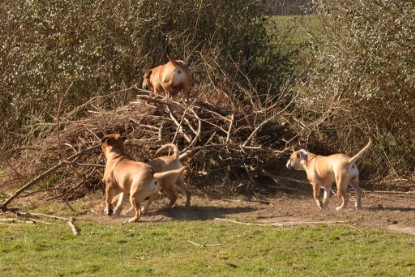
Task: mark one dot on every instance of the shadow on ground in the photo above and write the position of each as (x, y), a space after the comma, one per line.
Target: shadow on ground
(392, 209)
(199, 212)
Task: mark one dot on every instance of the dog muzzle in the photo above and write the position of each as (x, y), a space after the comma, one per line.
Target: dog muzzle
(144, 86)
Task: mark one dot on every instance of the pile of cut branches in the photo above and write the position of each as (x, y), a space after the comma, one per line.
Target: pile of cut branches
(220, 145)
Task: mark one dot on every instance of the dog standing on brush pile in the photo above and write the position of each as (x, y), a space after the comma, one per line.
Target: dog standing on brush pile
(323, 171)
(163, 164)
(170, 78)
(135, 180)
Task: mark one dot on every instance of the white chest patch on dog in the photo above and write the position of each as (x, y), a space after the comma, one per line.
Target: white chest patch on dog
(303, 157)
(353, 170)
(179, 77)
(303, 154)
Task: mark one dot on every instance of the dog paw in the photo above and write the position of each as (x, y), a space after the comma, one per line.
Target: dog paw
(108, 212)
(125, 213)
(117, 212)
(133, 219)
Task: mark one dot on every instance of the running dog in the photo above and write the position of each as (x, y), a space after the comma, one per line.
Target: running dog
(170, 78)
(162, 164)
(134, 179)
(323, 171)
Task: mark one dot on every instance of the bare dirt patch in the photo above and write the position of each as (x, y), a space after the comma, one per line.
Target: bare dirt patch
(393, 211)
(284, 204)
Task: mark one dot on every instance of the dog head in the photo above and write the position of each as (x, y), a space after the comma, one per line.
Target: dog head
(297, 160)
(113, 143)
(146, 80)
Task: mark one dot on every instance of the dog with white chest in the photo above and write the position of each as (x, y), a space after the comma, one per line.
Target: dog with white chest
(163, 164)
(137, 181)
(323, 171)
(169, 78)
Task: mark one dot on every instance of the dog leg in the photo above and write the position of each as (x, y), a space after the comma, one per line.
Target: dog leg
(326, 196)
(341, 188)
(120, 203)
(171, 195)
(136, 206)
(316, 194)
(183, 188)
(153, 196)
(109, 194)
(355, 185)
(186, 90)
(148, 201)
(166, 88)
(128, 211)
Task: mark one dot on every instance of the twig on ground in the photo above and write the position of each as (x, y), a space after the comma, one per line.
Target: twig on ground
(203, 245)
(73, 227)
(279, 224)
(69, 220)
(389, 191)
(15, 220)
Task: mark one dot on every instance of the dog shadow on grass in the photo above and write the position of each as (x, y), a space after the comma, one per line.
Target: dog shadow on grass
(199, 212)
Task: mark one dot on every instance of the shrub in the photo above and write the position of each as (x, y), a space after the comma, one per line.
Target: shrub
(361, 82)
(66, 62)
(58, 54)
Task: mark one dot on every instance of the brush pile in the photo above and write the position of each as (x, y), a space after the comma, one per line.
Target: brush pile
(220, 145)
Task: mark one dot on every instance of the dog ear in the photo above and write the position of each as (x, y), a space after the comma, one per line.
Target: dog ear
(123, 138)
(104, 139)
(148, 73)
(303, 154)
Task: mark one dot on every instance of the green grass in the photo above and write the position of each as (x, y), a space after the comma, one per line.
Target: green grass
(294, 28)
(163, 249)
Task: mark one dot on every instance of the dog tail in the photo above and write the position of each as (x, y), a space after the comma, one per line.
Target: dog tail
(358, 155)
(175, 174)
(173, 147)
(173, 61)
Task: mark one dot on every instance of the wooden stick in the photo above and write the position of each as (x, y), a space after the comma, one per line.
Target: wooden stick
(279, 224)
(203, 245)
(15, 220)
(37, 215)
(73, 227)
(257, 129)
(228, 135)
(179, 126)
(389, 191)
(284, 178)
(70, 220)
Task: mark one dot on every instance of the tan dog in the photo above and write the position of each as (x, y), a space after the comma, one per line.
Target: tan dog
(169, 78)
(134, 179)
(323, 171)
(165, 163)
(162, 164)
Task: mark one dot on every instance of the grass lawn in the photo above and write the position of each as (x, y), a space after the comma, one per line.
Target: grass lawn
(294, 29)
(202, 248)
